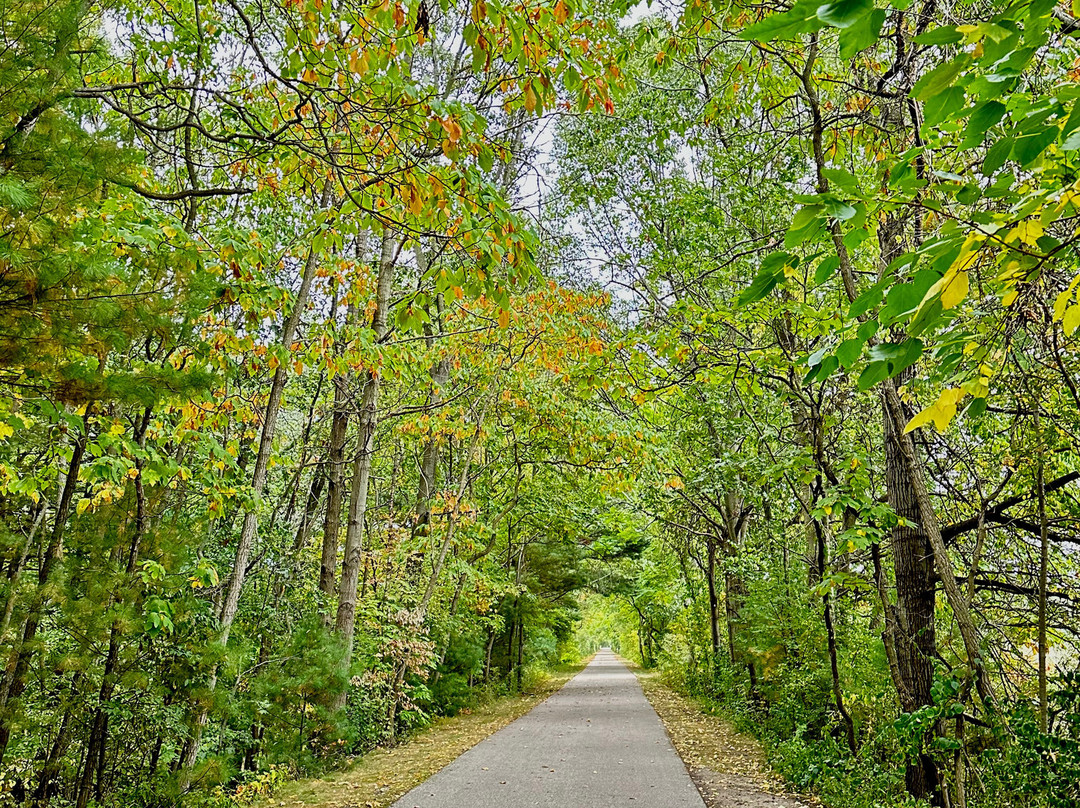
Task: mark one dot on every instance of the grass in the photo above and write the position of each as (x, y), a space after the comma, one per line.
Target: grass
(382, 776)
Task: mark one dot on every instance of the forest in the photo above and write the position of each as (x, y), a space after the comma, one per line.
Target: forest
(362, 360)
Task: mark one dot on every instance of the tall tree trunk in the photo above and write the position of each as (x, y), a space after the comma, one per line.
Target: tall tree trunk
(95, 745)
(735, 525)
(335, 480)
(231, 600)
(487, 655)
(917, 552)
(1044, 573)
(336, 462)
(943, 565)
(916, 647)
(43, 792)
(15, 675)
(16, 567)
(834, 664)
(714, 600)
(429, 460)
(345, 623)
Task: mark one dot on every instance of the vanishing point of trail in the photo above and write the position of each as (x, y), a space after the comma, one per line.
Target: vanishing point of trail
(597, 743)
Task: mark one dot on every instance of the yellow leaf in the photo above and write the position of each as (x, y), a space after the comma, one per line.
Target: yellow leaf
(504, 318)
(1060, 304)
(953, 287)
(5, 430)
(977, 388)
(531, 101)
(83, 504)
(1027, 232)
(358, 62)
(941, 412)
(1010, 298)
(1071, 319)
(954, 290)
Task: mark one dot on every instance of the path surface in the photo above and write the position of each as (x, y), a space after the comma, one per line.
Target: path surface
(597, 743)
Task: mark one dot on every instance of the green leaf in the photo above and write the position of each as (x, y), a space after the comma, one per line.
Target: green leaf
(1027, 149)
(996, 156)
(822, 371)
(844, 13)
(911, 351)
(939, 78)
(806, 224)
(872, 374)
(853, 238)
(867, 300)
(945, 35)
(969, 194)
(1072, 142)
(942, 106)
(799, 19)
(1073, 121)
(841, 211)
(985, 115)
(770, 274)
(849, 351)
(842, 179)
(826, 269)
(862, 35)
(904, 298)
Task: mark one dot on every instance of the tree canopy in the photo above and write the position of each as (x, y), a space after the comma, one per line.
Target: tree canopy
(361, 360)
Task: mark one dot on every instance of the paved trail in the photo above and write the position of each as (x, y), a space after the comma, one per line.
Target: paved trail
(597, 743)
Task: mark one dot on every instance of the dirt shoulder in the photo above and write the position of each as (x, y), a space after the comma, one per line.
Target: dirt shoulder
(378, 778)
(728, 767)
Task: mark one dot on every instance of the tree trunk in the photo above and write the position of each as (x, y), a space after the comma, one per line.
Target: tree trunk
(335, 480)
(345, 623)
(336, 465)
(834, 665)
(18, 664)
(1044, 574)
(916, 647)
(16, 567)
(44, 791)
(735, 525)
(95, 745)
(231, 600)
(714, 601)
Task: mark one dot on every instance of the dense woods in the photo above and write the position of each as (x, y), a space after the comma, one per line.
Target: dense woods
(359, 361)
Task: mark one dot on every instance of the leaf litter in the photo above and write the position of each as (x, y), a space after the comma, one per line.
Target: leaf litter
(728, 768)
(380, 777)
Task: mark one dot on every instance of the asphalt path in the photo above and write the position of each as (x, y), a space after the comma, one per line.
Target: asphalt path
(597, 743)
